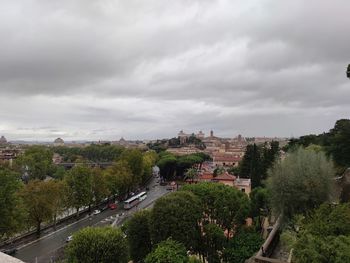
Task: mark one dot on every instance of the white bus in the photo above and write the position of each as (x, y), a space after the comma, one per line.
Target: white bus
(135, 200)
(142, 196)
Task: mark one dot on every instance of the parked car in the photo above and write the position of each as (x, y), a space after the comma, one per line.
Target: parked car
(69, 239)
(96, 212)
(112, 206)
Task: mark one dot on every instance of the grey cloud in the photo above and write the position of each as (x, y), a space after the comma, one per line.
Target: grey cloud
(164, 60)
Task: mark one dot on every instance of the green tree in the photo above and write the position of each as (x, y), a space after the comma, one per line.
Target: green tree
(119, 178)
(213, 240)
(135, 161)
(11, 210)
(167, 165)
(300, 182)
(221, 204)
(259, 199)
(270, 152)
(149, 160)
(59, 173)
(168, 251)
(99, 185)
(138, 235)
(242, 246)
(79, 187)
(98, 245)
(191, 174)
(251, 165)
(324, 235)
(340, 143)
(56, 194)
(39, 207)
(36, 161)
(177, 215)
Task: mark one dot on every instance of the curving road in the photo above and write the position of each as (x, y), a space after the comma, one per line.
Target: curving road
(44, 249)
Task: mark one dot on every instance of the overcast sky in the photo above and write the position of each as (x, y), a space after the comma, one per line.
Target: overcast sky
(87, 69)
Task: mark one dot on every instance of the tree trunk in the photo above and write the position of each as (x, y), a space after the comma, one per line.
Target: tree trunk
(38, 227)
(54, 221)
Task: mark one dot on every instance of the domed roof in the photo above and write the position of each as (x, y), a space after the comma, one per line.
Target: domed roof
(58, 140)
(3, 140)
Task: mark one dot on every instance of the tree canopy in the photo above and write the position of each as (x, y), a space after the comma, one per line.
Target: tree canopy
(10, 203)
(177, 215)
(138, 235)
(168, 251)
(98, 245)
(324, 236)
(300, 182)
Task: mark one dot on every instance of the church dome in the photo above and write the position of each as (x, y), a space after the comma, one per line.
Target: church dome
(58, 141)
(3, 140)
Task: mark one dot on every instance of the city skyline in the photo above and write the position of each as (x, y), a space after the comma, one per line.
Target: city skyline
(103, 70)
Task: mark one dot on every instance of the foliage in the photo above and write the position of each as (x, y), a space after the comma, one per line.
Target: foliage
(149, 160)
(79, 186)
(36, 162)
(119, 178)
(259, 199)
(56, 195)
(98, 245)
(312, 249)
(59, 173)
(39, 206)
(336, 142)
(325, 235)
(10, 203)
(138, 235)
(99, 185)
(134, 159)
(94, 152)
(213, 240)
(251, 165)
(177, 216)
(242, 246)
(257, 160)
(168, 251)
(221, 204)
(191, 174)
(301, 182)
(170, 165)
(339, 142)
(167, 165)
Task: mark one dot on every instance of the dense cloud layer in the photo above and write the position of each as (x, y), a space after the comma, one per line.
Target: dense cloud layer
(145, 69)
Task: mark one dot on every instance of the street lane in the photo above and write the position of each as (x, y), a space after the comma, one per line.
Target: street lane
(44, 249)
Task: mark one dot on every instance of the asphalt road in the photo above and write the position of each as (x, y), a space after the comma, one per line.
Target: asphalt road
(43, 250)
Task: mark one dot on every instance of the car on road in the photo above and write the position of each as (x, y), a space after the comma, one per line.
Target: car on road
(96, 212)
(112, 206)
(69, 239)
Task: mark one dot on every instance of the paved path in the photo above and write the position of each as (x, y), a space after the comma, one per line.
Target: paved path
(42, 250)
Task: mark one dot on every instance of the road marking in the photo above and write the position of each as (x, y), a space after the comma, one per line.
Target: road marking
(48, 235)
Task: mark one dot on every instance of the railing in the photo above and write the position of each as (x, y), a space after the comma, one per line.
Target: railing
(267, 249)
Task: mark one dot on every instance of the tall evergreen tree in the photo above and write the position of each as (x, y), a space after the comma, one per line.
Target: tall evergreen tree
(251, 165)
